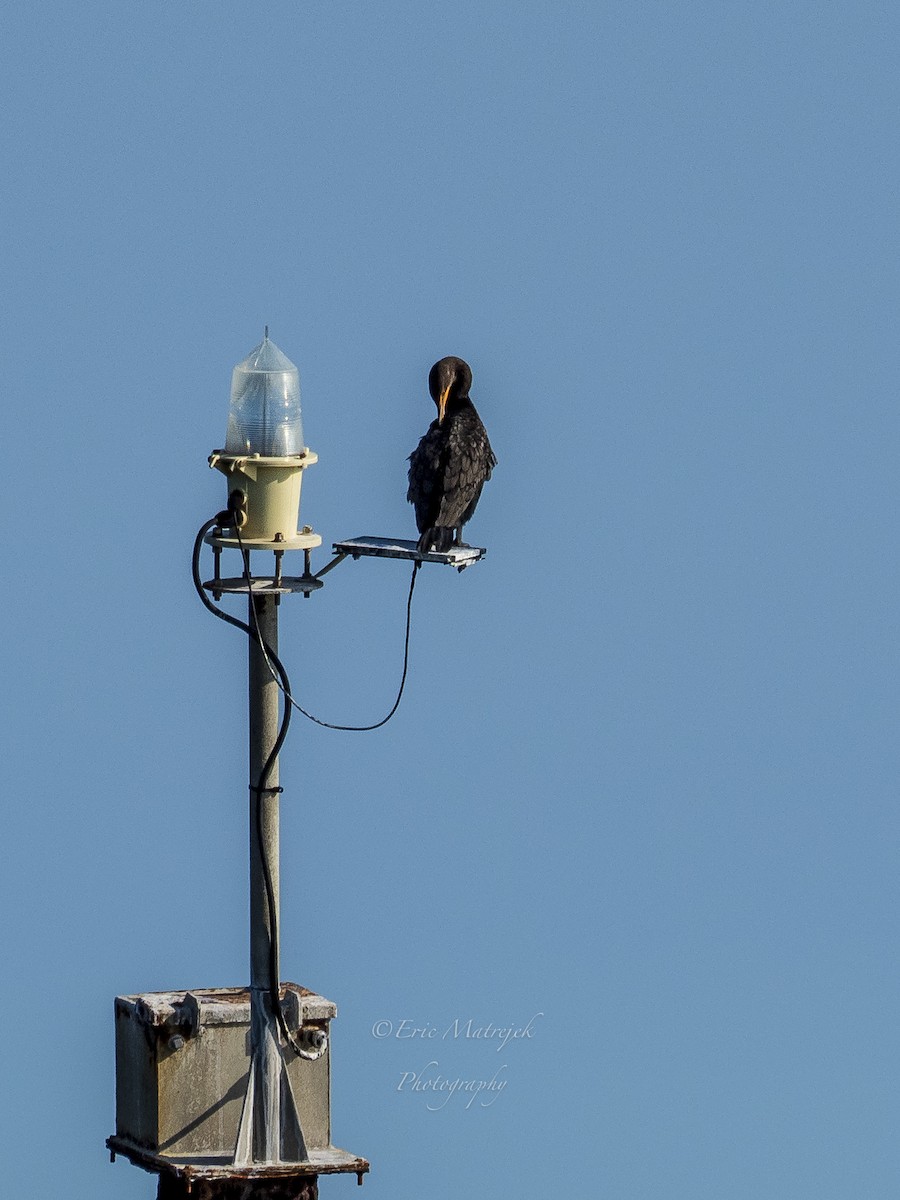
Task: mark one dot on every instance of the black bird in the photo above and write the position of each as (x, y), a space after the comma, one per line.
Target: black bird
(452, 462)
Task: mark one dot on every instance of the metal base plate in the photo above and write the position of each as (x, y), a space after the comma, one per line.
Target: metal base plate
(328, 1161)
(264, 586)
(300, 541)
(375, 547)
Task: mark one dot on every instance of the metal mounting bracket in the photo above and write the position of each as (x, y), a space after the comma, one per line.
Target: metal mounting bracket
(376, 547)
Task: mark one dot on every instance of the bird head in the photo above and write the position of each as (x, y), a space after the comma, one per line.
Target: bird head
(449, 379)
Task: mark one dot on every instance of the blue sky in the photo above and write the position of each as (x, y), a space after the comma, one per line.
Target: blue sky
(644, 778)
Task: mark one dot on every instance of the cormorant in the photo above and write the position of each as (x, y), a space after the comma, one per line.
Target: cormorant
(452, 462)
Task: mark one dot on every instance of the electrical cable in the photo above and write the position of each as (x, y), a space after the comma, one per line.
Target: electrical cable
(261, 787)
(245, 554)
(280, 676)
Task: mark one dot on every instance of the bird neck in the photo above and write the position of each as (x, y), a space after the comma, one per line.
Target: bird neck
(457, 404)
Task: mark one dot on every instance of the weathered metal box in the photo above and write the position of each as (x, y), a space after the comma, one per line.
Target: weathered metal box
(182, 1062)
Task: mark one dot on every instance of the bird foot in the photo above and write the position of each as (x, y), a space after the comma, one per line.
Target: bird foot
(437, 539)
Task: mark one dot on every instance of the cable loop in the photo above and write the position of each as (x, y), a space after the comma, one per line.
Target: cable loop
(286, 692)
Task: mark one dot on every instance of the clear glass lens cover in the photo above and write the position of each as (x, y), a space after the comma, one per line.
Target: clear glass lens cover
(264, 417)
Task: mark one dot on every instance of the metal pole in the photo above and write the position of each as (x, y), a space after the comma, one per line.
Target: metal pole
(269, 1130)
(266, 1058)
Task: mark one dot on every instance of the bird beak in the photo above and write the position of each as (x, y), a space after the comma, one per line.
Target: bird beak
(442, 403)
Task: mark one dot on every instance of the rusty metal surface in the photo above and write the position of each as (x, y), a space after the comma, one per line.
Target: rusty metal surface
(223, 1005)
(328, 1161)
(171, 1188)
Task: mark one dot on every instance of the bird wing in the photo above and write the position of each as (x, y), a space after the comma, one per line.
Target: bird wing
(425, 475)
(448, 470)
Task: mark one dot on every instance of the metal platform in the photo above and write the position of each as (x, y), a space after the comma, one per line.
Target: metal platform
(375, 547)
(265, 585)
(327, 1161)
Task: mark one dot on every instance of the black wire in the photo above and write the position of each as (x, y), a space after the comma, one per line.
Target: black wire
(267, 650)
(245, 554)
(280, 676)
(261, 787)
